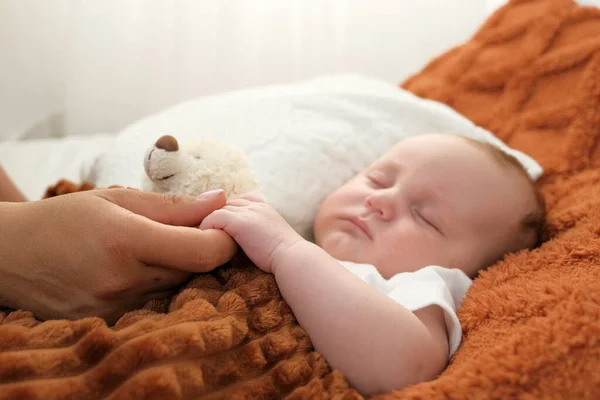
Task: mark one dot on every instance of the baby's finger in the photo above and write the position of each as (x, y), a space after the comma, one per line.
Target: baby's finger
(253, 196)
(217, 219)
(238, 202)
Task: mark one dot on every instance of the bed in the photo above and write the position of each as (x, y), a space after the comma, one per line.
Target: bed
(531, 322)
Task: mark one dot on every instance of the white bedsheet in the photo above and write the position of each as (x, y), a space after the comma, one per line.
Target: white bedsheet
(36, 164)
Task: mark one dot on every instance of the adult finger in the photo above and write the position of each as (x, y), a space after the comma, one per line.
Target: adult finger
(182, 248)
(164, 208)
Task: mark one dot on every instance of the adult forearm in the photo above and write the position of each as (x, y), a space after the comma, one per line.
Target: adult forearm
(8, 190)
(11, 247)
(377, 343)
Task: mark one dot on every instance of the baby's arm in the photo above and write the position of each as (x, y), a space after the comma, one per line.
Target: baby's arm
(377, 343)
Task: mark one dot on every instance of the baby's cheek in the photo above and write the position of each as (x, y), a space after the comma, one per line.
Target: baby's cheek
(409, 251)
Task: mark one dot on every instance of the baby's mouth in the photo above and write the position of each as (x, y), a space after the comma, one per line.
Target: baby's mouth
(362, 225)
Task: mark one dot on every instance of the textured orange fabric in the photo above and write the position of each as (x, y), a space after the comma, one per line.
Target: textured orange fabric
(531, 322)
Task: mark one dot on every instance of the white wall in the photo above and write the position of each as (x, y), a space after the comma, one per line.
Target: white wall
(75, 67)
(32, 62)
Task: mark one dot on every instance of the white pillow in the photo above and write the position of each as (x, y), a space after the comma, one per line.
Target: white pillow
(302, 140)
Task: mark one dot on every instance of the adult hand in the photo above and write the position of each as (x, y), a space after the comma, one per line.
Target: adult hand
(104, 252)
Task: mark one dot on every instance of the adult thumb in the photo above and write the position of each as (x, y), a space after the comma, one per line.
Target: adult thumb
(179, 210)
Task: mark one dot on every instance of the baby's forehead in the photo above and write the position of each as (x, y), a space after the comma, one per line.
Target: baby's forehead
(442, 149)
(431, 141)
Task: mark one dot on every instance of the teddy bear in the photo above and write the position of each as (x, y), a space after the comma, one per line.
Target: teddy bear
(196, 166)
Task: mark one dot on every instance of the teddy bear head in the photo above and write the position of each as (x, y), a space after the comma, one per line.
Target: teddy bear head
(196, 166)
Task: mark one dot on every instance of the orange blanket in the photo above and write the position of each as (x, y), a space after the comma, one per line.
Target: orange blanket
(531, 322)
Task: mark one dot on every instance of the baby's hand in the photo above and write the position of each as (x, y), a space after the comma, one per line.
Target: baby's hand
(259, 230)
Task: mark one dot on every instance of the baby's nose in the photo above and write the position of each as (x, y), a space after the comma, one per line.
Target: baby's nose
(167, 143)
(382, 205)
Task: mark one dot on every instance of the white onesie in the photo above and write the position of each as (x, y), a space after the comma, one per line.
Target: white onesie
(431, 285)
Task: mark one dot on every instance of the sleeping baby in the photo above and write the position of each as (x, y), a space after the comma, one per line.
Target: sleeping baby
(396, 248)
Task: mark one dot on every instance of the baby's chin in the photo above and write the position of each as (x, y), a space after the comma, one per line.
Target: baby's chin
(341, 246)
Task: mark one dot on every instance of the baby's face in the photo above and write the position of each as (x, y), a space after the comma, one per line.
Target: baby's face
(431, 200)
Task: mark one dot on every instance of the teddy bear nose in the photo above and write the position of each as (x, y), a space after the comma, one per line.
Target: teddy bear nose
(167, 143)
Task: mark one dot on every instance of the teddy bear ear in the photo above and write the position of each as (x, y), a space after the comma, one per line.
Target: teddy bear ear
(167, 143)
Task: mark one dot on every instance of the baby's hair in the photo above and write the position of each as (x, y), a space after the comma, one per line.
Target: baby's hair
(533, 223)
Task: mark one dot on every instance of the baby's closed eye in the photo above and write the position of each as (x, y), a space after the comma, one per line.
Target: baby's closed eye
(374, 182)
(378, 180)
(427, 219)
